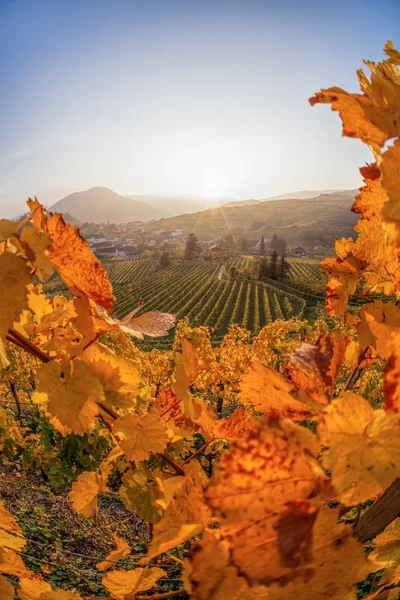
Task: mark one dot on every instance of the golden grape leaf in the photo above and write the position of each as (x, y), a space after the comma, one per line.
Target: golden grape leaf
(393, 54)
(337, 562)
(119, 376)
(39, 214)
(363, 444)
(264, 471)
(141, 496)
(140, 436)
(153, 324)
(391, 382)
(38, 244)
(37, 589)
(386, 553)
(85, 490)
(186, 515)
(8, 228)
(38, 302)
(6, 589)
(239, 424)
(12, 564)
(390, 182)
(378, 320)
(314, 368)
(76, 263)
(271, 392)
(186, 369)
(124, 584)
(123, 549)
(11, 535)
(343, 276)
(14, 277)
(209, 574)
(72, 396)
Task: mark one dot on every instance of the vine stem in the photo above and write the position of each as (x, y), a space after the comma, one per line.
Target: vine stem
(203, 447)
(349, 382)
(181, 592)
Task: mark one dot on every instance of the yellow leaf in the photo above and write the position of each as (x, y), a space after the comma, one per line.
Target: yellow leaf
(186, 369)
(8, 229)
(121, 583)
(12, 564)
(6, 589)
(314, 368)
(85, 490)
(143, 497)
(238, 425)
(378, 320)
(209, 574)
(120, 377)
(37, 589)
(264, 471)
(141, 435)
(185, 517)
(72, 396)
(123, 549)
(363, 447)
(76, 263)
(38, 243)
(10, 532)
(271, 392)
(14, 277)
(153, 324)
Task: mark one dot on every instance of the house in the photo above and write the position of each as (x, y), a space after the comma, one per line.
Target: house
(299, 251)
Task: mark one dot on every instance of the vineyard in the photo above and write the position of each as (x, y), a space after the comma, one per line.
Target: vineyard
(262, 467)
(194, 290)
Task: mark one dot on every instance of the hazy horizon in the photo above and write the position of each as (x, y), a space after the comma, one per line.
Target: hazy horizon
(207, 99)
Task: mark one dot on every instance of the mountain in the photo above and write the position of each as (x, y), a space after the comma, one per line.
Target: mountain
(172, 206)
(102, 205)
(323, 217)
(234, 203)
(306, 194)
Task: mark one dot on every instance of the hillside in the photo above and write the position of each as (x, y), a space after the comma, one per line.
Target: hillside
(328, 215)
(100, 205)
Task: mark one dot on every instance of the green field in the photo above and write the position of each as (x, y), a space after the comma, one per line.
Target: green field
(197, 290)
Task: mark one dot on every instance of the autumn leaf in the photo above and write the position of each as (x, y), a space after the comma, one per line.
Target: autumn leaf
(15, 277)
(186, 369)
(378, 320)
(264, 471)
(11, 535)
(328, 575)
(185, 517)
(37, 589)
(12, 564)
(85, 491)
(237, 426)
(152, 324)
(124, 584)
(140, 436)
(72, 396)
(391, 382)
(6, 589)
(76, 263)
(38, 244)
(270, 392)
(122, 550)
(141, 496)
(119, 376)
(209, 574)
(314, 368)
(363, 444)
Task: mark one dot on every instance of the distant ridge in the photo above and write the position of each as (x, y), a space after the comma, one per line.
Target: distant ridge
(102, 205)
(306, 194)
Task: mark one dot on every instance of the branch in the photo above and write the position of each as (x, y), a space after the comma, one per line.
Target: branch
(19, 340)
(350, 381)
(380, 514)
(164, 595)
(173, 464)
(203, 447)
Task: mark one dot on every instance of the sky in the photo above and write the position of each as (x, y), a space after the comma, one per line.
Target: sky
(186, 97)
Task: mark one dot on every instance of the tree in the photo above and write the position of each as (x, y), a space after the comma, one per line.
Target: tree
(262, 246)
(283, 267)
(273, 266)
(263, 268)
(192, 248)
(274, 241)
(229, 240)
(165, 260)
(280, 247)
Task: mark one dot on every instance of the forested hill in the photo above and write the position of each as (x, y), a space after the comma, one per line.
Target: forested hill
(328, 214)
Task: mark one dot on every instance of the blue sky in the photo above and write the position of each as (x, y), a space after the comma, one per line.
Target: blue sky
(183, 97)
